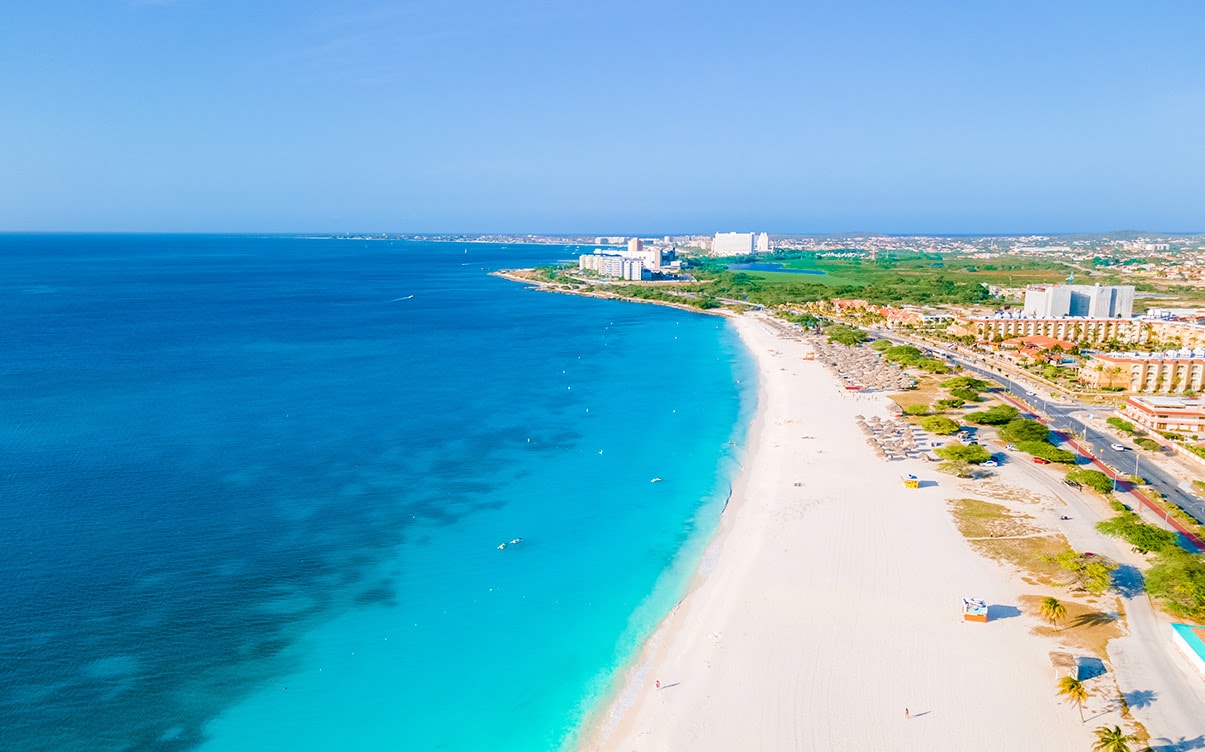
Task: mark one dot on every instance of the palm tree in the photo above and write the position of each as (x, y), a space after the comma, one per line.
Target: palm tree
(1052, 610)
(1113, 740)
(1074, 691)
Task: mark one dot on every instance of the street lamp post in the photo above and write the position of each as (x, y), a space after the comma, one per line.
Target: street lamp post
(1136, 476)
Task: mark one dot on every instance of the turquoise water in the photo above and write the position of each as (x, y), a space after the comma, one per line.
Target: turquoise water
(252, 491)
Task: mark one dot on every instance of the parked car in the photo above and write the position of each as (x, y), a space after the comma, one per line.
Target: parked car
(1117, 447)
(1041, 461)
(1074, 484)
(1011, 447)
(989, 463)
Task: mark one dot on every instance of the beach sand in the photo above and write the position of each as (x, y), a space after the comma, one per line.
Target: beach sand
(830, 601)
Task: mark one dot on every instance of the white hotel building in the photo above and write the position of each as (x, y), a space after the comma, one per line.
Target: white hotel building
(613, 266)
(1088, 301)
(739, 243)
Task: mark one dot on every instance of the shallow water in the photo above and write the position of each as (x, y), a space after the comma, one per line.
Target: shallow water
(251, 491)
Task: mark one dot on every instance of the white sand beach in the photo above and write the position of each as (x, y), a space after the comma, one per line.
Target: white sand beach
(830, 603)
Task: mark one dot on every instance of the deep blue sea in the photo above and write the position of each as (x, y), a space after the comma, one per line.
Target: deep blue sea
(252, 491)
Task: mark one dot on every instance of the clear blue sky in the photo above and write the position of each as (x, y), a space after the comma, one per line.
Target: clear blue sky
(602, 116)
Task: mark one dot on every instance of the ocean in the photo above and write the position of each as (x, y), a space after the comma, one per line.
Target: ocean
(253, 491)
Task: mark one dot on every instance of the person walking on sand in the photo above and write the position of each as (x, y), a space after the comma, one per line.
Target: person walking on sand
(658, 684)
(907, 715)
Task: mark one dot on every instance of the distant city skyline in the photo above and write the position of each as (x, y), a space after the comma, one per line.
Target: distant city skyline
(931, 118)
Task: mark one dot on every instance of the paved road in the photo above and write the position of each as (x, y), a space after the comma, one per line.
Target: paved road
(1151, 676)
(1073, 418)
(1168, 699)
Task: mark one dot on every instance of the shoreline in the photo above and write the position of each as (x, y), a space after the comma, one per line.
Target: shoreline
(514, 275)
(827, 601)
(607, 718)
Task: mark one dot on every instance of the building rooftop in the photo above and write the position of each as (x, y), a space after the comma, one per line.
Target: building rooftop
(1194, 637)
(1169, 403)
(1039, 342)
(1184, 354)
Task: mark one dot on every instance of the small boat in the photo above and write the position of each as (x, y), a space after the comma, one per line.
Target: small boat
(516, 540)
(501, 546)
(655, 480)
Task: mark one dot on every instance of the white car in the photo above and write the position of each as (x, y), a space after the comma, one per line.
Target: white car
(989, 463)
(1117, 447)
(1031, 394)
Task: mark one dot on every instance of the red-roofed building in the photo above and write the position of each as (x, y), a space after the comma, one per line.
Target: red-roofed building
(1036, 347)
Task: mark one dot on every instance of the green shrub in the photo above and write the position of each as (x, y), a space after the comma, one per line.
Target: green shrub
(1146, 538)
(1092, 573)
(970, 453)
(1093, 479)
(966, 382)
(1121, 425)
(1024, 429)
(1118, 506)
(957, 468)
(881, 344)
(996, 416)
(966, 395)
(939, 425)
(952, 403)
(1148, 444)
(902, 354)
(1178, 580)
(1047, 451)
(846, 335)
(933, 365)
(917, 409)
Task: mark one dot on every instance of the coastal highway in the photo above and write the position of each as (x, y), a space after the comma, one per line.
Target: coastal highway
(1074, 418)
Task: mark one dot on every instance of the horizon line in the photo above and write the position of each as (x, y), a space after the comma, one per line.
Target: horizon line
(402, 234)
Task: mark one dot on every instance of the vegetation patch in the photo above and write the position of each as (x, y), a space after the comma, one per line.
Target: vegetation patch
(939, 425)
(1146, 538)
(1082, 626)
(1046, 451)
(994, 416)
(1024, 429)
(1094, 479)
(1032, 437)
(1007, 537)
(1178, 581)
(912, 357)
(970, 453)
(925, 393)
(846, 335)
(967, 382)
(1121, 425)
(1091, 573)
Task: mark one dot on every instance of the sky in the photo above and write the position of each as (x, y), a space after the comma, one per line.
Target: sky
(602, 116)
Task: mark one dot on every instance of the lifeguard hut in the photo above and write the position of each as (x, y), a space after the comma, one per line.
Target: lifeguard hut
(910, 481)
(974, 609)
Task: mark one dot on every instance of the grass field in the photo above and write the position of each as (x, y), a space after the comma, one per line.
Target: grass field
(919, 279)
